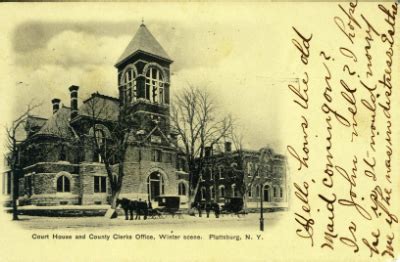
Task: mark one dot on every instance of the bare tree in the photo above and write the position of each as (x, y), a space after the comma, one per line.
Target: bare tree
(239, 171)
(112, 146)
(195, 118)
(13, 142)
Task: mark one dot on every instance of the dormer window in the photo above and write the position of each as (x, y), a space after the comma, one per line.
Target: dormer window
(154, 86)
(130, 85)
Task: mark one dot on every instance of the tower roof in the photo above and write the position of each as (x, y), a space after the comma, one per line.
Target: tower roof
(143, 41)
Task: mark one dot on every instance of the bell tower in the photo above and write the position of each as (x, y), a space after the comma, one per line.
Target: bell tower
(144, 79)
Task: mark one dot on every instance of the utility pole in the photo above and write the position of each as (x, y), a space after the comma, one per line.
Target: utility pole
(261, 210)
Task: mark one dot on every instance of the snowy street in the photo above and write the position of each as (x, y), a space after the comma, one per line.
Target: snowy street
(248, 222)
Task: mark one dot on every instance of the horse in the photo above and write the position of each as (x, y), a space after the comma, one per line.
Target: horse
(141, 208)
(133, 205)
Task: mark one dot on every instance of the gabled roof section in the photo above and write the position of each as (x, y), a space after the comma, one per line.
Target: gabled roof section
(100, 107)
(145, 42)
(34, 122)
(58, 125)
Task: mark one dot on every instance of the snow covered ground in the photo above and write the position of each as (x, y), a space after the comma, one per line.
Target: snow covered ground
(250, 221)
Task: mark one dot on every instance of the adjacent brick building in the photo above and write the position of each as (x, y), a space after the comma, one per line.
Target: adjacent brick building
(253, 175)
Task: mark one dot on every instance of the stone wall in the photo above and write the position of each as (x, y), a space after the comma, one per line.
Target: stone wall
(87, 173)
(44, 177)
(134, 184)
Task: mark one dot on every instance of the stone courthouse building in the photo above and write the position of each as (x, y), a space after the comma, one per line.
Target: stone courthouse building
(59, 164)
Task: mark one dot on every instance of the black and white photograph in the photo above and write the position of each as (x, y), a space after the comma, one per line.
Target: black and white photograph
(200, 131)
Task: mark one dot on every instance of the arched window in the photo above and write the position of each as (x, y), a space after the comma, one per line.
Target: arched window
(234, 190)
(63, 184)
(212, 192)
(130, 85)
(181, 189)
(275, 191)
(281, 191)
(210, 170)
(221, 191)
(154, 86)
(220, 173)
(203, 193)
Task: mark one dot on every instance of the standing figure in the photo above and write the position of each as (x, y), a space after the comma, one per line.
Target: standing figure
(215, 207)
(208, 209)
(198, 206)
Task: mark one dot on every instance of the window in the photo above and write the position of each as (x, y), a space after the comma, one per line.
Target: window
(250, 193)
(221, 191)
(212, 192)
(154, 86)
(181, 164)
(203, 193)
(181, 189)
(275, 192)
(234, 190)
(130, 85)
(281, 192)
(220, 174)
(63, 184)
(157, 155)
(100, 185)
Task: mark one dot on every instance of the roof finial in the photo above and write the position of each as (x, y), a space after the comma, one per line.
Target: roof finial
(142, 21)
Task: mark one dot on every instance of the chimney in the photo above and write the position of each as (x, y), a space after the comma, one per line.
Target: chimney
(74, 100)
(56, 104)
(208, 151)
(228, 147)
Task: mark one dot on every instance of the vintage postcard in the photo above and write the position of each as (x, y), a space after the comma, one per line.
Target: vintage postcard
(208, 131)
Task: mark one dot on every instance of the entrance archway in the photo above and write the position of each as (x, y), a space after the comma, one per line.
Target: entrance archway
(155, 185)
(266, 193)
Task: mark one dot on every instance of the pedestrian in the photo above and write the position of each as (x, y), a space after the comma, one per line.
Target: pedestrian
(216, 209)
(208, 209)
(199, 208)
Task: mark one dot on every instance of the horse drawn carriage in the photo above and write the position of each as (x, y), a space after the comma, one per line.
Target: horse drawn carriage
(233, 205)
(168, 205)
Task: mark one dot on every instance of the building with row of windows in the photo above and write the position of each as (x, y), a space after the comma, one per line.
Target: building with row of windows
(254, 175)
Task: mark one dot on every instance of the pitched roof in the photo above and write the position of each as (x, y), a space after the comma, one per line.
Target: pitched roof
(143, 41)
(58, 124)
(101, 107)
(34, 122)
